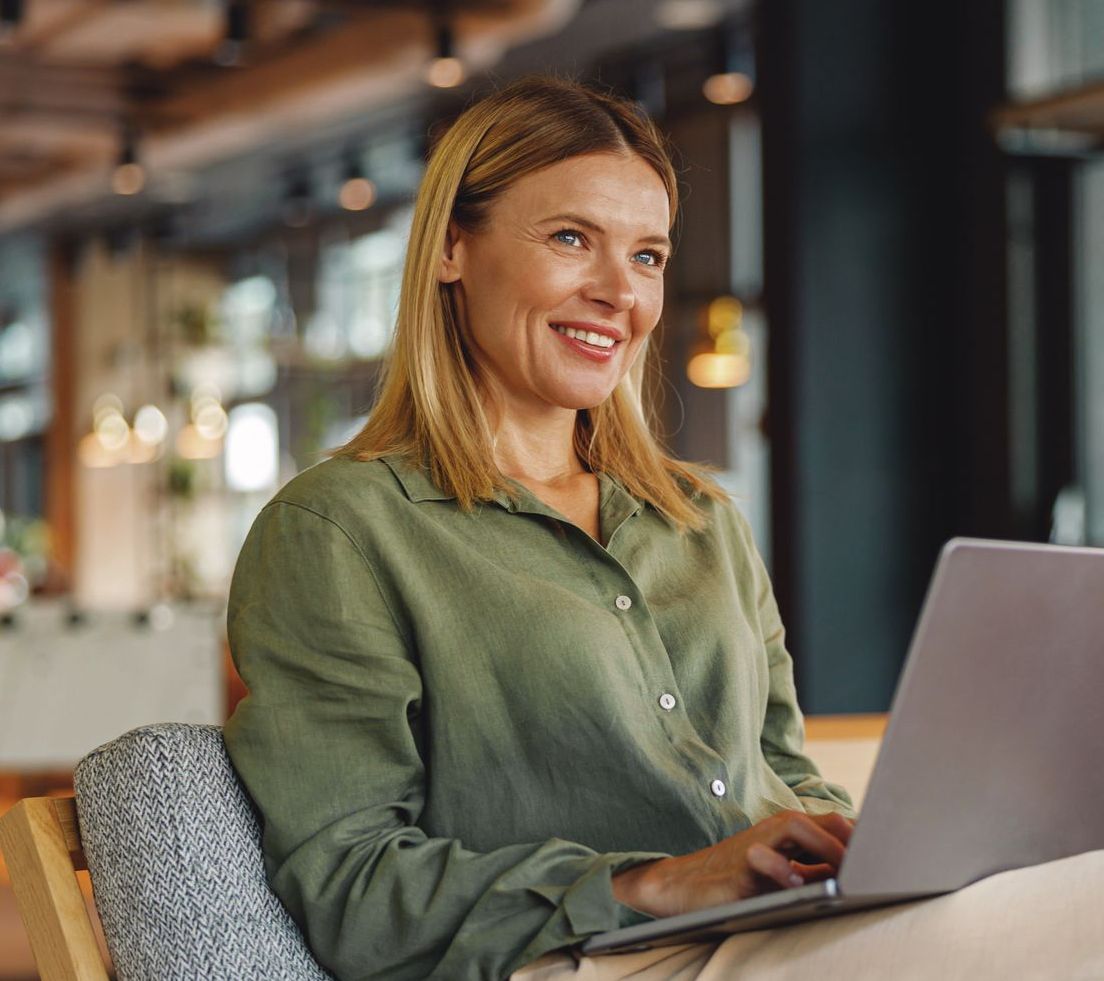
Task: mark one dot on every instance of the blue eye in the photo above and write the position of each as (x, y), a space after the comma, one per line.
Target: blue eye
(565, 235)
(656, 259)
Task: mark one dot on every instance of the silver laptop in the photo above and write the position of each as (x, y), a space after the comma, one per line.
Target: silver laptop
(992, 756)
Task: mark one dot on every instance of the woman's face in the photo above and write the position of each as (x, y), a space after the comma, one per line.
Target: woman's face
(561, 287)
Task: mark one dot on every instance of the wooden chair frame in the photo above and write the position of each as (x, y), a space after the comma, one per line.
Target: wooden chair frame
(40, 839)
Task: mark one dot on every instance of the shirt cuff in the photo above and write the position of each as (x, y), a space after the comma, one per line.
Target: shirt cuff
(588, 904)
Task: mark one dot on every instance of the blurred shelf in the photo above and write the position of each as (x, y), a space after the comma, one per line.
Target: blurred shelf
(1067, 122)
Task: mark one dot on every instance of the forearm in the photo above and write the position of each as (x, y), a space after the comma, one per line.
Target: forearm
(404, 906)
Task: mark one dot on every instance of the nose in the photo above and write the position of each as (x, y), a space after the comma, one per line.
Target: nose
(610, 286)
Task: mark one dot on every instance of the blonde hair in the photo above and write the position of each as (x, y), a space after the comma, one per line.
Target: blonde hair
(429, 407)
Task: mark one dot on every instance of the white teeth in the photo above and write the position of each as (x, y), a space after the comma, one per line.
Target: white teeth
(593, 338)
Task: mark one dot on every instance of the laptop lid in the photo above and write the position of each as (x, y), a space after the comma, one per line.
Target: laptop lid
(993, 755)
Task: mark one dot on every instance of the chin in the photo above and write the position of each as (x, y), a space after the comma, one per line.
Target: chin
(583, 400)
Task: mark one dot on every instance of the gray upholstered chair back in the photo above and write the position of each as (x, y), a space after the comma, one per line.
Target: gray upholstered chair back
(173, 849)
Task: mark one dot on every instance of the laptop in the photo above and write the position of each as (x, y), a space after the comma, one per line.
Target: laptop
(992, 756)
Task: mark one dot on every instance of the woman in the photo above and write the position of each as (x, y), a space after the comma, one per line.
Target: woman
(516, 677)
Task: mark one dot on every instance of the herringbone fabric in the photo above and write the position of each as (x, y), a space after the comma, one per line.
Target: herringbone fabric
(173, 849)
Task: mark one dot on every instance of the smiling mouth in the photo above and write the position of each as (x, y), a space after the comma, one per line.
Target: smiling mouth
(593, 338)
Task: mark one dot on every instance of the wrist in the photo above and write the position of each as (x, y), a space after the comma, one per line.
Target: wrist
(636, 887)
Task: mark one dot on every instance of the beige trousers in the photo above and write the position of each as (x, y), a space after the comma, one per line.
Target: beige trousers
(1044, 922)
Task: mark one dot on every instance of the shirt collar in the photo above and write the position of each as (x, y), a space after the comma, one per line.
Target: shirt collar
(418, 485)
(615, 502)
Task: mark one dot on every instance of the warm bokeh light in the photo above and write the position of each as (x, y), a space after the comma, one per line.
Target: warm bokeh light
(210, 420)
(445, 73)
(724, 314)
(733, 341)
(727, 88)
(356, 194)
(711, 369)
(139, 451)
(106, 404)
(92, 453)
(150, 425)
(193, 445)
(112, 431)
(128, 178)
(252, 448)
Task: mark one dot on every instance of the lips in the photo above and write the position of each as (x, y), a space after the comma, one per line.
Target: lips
(591, 344)
(591, 337)
(585, 327)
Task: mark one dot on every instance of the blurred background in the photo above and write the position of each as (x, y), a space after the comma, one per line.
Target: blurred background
(884, 325)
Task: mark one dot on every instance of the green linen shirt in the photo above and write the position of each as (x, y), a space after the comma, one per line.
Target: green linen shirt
(460, 725)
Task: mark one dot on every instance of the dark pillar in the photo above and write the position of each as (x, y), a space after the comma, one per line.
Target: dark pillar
(884, 267)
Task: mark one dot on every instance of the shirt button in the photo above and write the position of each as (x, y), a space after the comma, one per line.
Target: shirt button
(666, 701)
(718, 788)
(622, 602)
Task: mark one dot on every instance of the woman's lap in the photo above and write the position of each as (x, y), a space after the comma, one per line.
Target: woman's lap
(1039, 922)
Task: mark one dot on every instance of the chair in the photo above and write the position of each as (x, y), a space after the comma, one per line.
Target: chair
(173, 848)
(42, 849)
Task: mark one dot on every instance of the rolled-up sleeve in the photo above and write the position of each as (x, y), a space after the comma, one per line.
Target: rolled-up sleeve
(328, 744)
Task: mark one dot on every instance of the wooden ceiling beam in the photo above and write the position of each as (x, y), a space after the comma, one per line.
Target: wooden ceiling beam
(366, 40)
(31, 87)
(276, 103)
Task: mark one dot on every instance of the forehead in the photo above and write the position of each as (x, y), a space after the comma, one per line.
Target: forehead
(618, 189)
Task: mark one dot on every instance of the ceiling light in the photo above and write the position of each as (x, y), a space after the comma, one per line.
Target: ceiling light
(238, 32)
(357, 192)
(150, 425)
(129, 176)
(445, 71)
(726, 362)
(297, 208)
(727, 88)
(712, 369)
(733, 78)
(11, 15)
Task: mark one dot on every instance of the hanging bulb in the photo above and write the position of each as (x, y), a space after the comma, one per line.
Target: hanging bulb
(297, 207)
(129, 176)
(445, 71)
(357, 192)
(726, 362)
(11, 16)
(733, 80)
(237, 35)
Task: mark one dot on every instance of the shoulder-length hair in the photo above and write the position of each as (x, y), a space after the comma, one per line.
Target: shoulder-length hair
(430, 406)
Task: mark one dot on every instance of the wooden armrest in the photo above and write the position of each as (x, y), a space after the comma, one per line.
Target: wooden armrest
(40, 839)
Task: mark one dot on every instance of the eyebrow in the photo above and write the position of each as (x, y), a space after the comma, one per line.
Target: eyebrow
(595, 227)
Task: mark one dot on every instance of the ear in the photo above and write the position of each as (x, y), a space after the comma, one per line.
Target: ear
(452, 256)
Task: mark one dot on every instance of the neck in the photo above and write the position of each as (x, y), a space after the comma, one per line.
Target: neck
(539, 447)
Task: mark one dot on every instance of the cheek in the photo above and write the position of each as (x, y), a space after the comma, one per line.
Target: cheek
(530, 283)
(649, 308)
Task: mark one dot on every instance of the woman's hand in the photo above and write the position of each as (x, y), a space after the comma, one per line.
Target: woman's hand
(787, 849)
